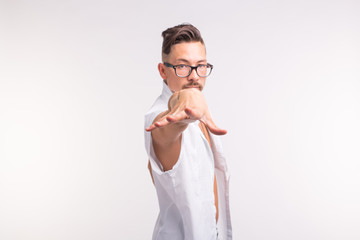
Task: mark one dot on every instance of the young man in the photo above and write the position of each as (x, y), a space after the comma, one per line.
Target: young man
(186, 161)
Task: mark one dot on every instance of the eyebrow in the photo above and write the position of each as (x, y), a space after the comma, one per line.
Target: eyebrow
(186, 61)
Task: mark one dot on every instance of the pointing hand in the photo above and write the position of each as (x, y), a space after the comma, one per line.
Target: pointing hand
(187, 106)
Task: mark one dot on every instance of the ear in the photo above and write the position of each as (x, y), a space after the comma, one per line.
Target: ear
(161, 68)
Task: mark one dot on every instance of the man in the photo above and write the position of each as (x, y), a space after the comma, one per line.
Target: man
(186, 160)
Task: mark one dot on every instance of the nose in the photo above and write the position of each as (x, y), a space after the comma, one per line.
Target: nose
(193, 76)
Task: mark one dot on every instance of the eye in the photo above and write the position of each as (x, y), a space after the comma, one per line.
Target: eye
(202, 66)
(181, 66)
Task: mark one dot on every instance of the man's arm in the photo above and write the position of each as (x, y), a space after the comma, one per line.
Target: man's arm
(184, 107)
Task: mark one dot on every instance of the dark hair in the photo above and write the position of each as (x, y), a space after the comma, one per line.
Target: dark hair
(178, 34)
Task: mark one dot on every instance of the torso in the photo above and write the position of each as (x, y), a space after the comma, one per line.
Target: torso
(207, 136)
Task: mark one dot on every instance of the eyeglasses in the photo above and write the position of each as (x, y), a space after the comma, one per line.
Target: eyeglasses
(182, 70)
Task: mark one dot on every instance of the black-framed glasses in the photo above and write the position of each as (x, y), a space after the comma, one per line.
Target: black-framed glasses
(182, 70)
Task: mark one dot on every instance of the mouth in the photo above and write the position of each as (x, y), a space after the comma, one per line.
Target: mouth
(198, 86)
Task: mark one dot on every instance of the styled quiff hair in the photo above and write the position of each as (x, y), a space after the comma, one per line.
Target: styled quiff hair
(178, 34)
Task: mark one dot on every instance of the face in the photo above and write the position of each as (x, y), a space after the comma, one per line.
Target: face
(189, 53)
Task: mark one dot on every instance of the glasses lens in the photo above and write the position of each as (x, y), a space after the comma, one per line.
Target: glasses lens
(204, 70)
(182, 70)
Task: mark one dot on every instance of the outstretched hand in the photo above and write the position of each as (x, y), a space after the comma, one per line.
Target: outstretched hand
(187, 106)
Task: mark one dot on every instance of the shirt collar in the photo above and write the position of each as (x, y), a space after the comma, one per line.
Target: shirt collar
(166, 92)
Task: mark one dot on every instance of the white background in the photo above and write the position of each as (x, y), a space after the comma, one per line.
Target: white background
(76, 78)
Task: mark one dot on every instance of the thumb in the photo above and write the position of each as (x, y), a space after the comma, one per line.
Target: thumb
(213, 128)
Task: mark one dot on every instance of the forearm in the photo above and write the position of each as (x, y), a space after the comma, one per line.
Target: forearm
(167, 143)
(168, 134)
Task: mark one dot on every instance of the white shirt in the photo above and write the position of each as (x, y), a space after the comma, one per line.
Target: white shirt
(186, 192)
